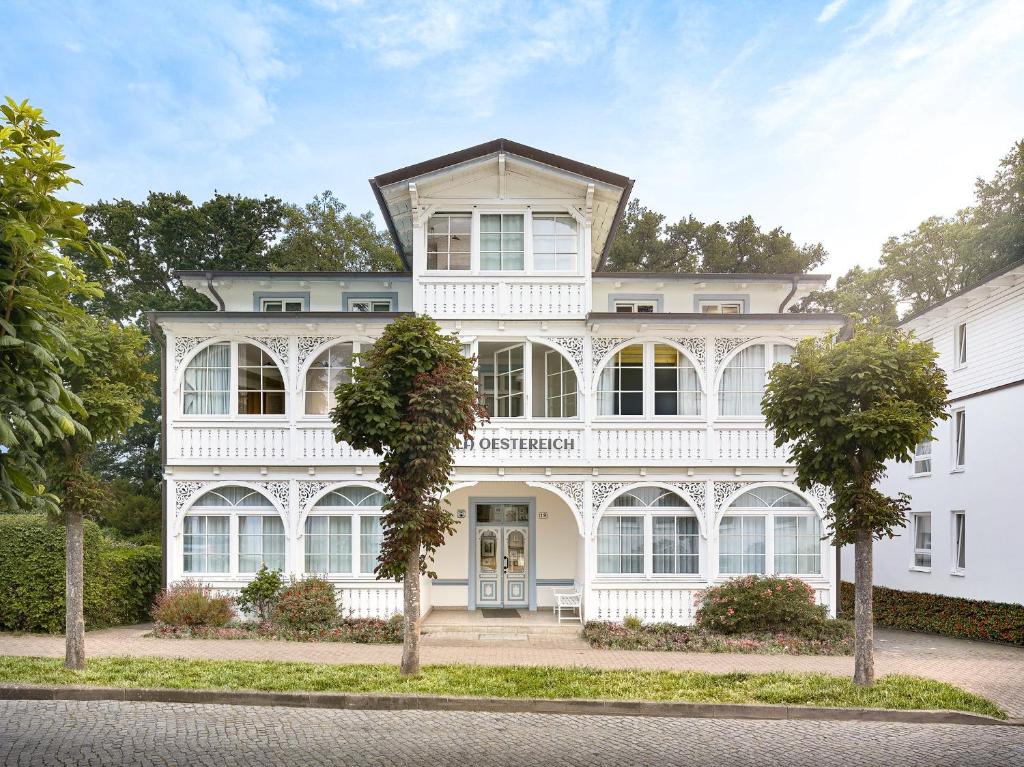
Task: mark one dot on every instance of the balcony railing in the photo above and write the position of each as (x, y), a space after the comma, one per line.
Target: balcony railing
(507, 296)
(527, 443)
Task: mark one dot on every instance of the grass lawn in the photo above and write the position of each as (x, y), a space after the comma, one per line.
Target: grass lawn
(893, 692)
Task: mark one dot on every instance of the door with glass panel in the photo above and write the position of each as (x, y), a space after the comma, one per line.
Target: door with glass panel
(502, 554)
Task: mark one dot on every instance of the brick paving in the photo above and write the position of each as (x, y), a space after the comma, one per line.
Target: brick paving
(995, 671)
(108, 733)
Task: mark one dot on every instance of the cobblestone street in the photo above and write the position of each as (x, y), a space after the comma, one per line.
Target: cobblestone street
(107, 733)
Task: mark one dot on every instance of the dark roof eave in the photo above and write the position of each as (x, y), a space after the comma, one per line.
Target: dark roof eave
(211, 316)
(203, 273)
(378, 195)
(709, 276)
(655, 317)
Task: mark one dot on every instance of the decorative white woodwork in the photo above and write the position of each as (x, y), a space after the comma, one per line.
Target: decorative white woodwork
(504, 297)
(649, 443)
(373, 600)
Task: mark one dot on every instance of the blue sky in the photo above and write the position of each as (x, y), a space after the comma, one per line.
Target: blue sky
(844, 121)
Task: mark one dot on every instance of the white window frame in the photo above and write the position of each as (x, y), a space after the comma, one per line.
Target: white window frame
(648, 386)
(356, 514)
(284, 302)
(702, 306)
(770, 359)
(920, 457)
(473, 229)
(635, 307)
(958, 426)
(373, 304)
(527, 241)
(232, 414)
(303, 385)
(529, 255)
(958, 536)
(233, 513)
(915, 551)
(564, 372)
(960, 346)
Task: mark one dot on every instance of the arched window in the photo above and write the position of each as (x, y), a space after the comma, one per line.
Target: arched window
(517, 380)
(344, 530)
(648, 531)
(233, 513)
(332, 366)
(794, 546)
(208, 381)
(742, 385)
(649, 379)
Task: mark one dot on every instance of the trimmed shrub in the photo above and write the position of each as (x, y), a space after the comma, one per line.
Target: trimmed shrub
(190, 604)
(259, 596)
(307, 604)
(939, 614)
(121, 578)
(830, 637)
(754, 604)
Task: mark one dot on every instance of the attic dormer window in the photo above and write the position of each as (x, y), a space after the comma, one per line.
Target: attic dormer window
(502, 242)
(448, 241)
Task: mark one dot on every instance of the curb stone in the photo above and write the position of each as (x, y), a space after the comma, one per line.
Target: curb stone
(401, 702)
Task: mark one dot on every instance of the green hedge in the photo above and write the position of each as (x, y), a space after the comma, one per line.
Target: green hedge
(937, 614)
(121, 579)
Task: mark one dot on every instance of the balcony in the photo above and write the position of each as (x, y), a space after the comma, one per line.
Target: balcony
(506, 297)
(521, 443)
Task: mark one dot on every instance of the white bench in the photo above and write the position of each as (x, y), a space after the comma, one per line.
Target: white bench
(570, 601)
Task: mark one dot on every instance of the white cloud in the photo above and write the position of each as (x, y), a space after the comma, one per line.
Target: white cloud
(830, 11)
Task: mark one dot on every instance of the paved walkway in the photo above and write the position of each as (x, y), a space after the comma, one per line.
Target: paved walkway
(995, 671)
(107, 733)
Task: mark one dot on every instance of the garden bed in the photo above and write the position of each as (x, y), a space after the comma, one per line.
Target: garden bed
(827, 638)
(360, 630)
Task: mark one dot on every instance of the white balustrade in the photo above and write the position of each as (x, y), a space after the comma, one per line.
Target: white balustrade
(651, 602)
(504, 297)
(648, 443)
(370, 601)
(316, 443)
(240, 443)
(748, 444)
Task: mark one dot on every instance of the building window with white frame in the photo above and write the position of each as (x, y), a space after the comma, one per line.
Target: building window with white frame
(742, 385)
(720, 307)
(922, 528)
(923, 458)
(344, 528)
(959, 439)
(675, 545)
(559, 386)
(333, 366)
(636, 307)
(959, 527)
(620, 545)
(794, 547)
(282, 305)
(449, 241)
(369, 305)
(960, 346)
(257, 380)
(502, 242)
(649, 519)
(235, 512)
(625, 383)
(555, 242)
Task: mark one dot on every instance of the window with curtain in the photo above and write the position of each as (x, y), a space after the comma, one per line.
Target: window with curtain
(371, 533)
(208, 381)
(922, 540)
(343, 530)
(502, 242)
(625, 383)
(207, 530)
(332, 366)
(554, 243)
(741, 545)
(743, 380)
(923, 457)
(260, 542)
(559, 386)
(448, 241)
(675, 545)
(207, 544)
(798, 545)
(260, 382)
(794, 546)
(620, 388)
(328, 544)
(676, 385)
(620, 545)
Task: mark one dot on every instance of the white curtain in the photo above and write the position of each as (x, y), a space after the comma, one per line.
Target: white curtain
(741, 545)
(743, 383)
(370, 536)
(798, 545)
(206, 544)
(328, 544)
(208, 381)
(620, 545)
(260, 541)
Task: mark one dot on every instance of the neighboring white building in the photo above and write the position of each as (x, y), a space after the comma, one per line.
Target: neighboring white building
(967, 517)
(626, 456)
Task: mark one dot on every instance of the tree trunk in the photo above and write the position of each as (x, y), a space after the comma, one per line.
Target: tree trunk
(863, 615)
(411, 622)
(74, 653)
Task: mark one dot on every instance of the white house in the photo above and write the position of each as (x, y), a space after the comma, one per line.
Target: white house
(626, 455)
(967, 516)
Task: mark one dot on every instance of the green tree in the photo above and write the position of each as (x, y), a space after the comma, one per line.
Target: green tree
(865, 292)
(37, 285)
(999, 211)
(412, 400)
(844, 408)
(322, 236)
(644, 242)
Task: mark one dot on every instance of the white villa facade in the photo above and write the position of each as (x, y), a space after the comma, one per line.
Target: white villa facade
(626, 456)
(966, 516)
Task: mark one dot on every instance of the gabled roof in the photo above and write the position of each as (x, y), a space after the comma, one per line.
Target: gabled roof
(480, 151)
(994, 275)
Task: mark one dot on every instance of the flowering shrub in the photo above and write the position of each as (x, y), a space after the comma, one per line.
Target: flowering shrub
(756, 603)
(259, 596)
(829, 637)
(190, 604)
(307, 604)
(362, 630)
(937, 614)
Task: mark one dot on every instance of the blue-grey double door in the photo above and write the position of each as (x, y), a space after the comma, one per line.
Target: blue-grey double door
(502, 555)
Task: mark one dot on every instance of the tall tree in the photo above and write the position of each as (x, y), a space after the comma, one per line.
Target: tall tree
(645, 243)
(845, 407)
(323, 236)
(999, 210)
(865, 292)
(37, 285)
(412, 400)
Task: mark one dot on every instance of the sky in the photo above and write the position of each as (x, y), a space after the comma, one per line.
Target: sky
(843, 121)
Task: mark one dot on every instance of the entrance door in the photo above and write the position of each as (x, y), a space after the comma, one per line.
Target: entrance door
(502, 555)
